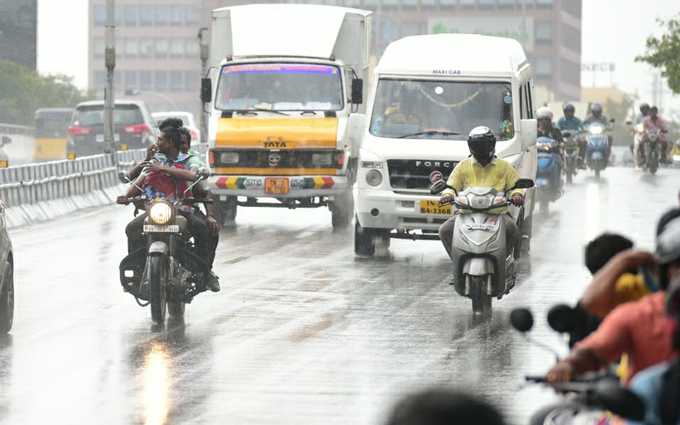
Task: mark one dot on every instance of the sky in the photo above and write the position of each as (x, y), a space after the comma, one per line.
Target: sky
(613, 31)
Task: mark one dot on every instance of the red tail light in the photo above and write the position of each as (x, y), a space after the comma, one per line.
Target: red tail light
(137, 129)
(76, 130)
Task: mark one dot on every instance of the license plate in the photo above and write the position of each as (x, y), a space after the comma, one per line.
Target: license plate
(433, 207)
(155, 228)
(276, 186)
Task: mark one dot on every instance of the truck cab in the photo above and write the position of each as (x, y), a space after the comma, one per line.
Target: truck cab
(284, 82)
(428, 93)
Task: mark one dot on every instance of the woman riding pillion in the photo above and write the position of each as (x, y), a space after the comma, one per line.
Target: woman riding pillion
(483, 169)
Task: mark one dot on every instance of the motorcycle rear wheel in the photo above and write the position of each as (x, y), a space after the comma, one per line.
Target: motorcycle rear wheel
(158, 273)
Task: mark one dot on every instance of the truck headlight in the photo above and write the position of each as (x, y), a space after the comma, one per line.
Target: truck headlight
(229, 158)
(160, 213)
(325, 158)
(374, 178)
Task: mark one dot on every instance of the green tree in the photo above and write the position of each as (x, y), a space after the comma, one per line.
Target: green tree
(664, 52)
(23, 90)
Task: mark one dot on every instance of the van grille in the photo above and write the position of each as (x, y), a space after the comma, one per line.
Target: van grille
(415, 174)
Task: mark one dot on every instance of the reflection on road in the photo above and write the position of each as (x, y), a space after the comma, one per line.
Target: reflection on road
(156, 390)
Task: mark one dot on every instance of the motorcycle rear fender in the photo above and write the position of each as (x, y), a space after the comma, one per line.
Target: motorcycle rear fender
(158, 248)
(478, 266)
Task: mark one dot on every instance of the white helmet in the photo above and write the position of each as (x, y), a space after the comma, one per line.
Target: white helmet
(544, 113)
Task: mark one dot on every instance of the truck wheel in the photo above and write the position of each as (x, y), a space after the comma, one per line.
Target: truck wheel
(7, 301)
(342, 210)
(227, 210)
(364, 240)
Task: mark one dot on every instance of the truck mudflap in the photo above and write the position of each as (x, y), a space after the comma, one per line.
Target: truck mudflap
(278, 186)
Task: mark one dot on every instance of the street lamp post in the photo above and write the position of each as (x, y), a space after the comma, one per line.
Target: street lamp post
(110, 62)
(205, 53)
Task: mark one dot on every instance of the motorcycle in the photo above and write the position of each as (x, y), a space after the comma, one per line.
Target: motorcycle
(570, 154)
(167, 274)
(597, 145)
(649, 152)
(483, 261)
(549, 173)
(584, 401)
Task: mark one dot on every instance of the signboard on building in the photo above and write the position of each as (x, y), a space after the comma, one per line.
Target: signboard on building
(517, 27)
(18, 30)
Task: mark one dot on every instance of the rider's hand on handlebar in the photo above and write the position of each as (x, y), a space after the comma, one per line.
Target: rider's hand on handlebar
(517, 200)
(561, 372)
(122, 200)
(446, 199)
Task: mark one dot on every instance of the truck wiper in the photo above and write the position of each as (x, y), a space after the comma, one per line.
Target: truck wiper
(430, 133)
(256, 110)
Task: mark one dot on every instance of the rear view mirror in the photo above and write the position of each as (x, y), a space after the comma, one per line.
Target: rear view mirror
(357, 97)
(206, 90)
(438, 187)
(524, 184)
(123, 178)
(620, 401)
(6, 140)
(521, 319)
(528, 133)
(561, 318)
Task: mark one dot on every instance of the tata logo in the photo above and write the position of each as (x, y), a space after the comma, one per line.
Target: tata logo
(274, 143)
(274, 159)
(435, 164)
(446, 71)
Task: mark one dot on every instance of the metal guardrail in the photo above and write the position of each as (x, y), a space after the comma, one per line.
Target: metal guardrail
(10, 129)
(47, 181)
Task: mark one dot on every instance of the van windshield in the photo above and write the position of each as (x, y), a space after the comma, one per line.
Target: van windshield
(426, 109)
(280, 87)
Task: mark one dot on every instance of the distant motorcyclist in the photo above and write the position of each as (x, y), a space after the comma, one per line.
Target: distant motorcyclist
(597, 117)
(483, 169)
(644, 113)
(544, 117)
(569, 122)
(654, 122)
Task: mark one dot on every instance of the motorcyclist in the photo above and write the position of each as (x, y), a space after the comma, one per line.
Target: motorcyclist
(569, 122)
(167, 175)
(637, 136)
(544, 117)
(597, 117)
(654, 122)
(644, 113)
(482, 169)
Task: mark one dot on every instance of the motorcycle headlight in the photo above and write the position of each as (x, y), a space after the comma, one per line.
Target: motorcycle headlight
(596, 130)
(160, 213)
(374, 178)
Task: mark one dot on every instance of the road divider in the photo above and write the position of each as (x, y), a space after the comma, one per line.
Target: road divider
(38, 192)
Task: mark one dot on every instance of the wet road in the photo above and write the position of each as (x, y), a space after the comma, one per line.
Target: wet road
(302, 333)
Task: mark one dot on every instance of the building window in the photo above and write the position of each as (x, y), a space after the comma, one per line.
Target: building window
(544, 67)
(545, 3)
(161, 81)
(146, 48)
(192, 49)
(130, 15)
(571, 38)
(544, 32)
(177, 81)
(145, 80)
(145, 15)
(507, 3)
(99, 15)
(162, 46)
(131, 81)
(161, 15)
(177, 48)
(176, 15)
(131, 48)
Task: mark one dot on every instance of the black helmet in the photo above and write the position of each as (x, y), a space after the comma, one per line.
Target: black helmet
(596, 108)
(482, 144)
(644, 107)
(569, 108)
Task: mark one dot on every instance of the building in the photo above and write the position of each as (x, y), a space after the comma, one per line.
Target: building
(18, 31)
(157, 52)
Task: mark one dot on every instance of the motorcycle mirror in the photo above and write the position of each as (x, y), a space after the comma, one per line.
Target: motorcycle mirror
(437, 187)
(123, 177)
(620, 401)
(629, 122)
(524, 184)
(561, 318)
(522, 320)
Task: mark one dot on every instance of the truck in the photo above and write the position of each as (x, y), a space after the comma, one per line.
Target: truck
(427, 93)
(284, 80)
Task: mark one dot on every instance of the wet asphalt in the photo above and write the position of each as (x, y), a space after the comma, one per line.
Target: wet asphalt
(302, 332)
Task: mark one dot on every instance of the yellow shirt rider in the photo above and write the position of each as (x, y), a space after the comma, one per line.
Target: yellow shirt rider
(483, 169)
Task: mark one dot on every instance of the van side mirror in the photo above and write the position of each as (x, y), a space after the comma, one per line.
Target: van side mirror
(357, 97)
(528, 132)
(206, 90)
(524, 184)
(6, 140)
(356, 125)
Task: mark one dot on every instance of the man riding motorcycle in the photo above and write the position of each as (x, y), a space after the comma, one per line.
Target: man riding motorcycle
(597, 117)
(166, 175)
(544, 117)
(483, 169)
(569, 122)
(654, 122)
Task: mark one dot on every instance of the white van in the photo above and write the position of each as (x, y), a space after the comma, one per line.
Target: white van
(428, 92)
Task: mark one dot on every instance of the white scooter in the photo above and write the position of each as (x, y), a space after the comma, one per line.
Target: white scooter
(483, 262)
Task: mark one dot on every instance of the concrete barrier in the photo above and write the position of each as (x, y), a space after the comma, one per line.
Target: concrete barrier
(38, 192)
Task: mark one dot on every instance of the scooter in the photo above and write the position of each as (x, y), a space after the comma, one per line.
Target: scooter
(570, 154)
(549, 173)
(597, 145)
(483, 260)
(587, 401)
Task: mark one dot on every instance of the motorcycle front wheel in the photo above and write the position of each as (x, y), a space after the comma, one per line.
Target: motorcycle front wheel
(158, 273)
(481, 302)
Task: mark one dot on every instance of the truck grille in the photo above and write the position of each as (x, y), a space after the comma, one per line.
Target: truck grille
(415, 174)
(281, 159)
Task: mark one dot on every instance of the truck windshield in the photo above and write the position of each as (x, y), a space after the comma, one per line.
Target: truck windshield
(280, 87)
(425, 109)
